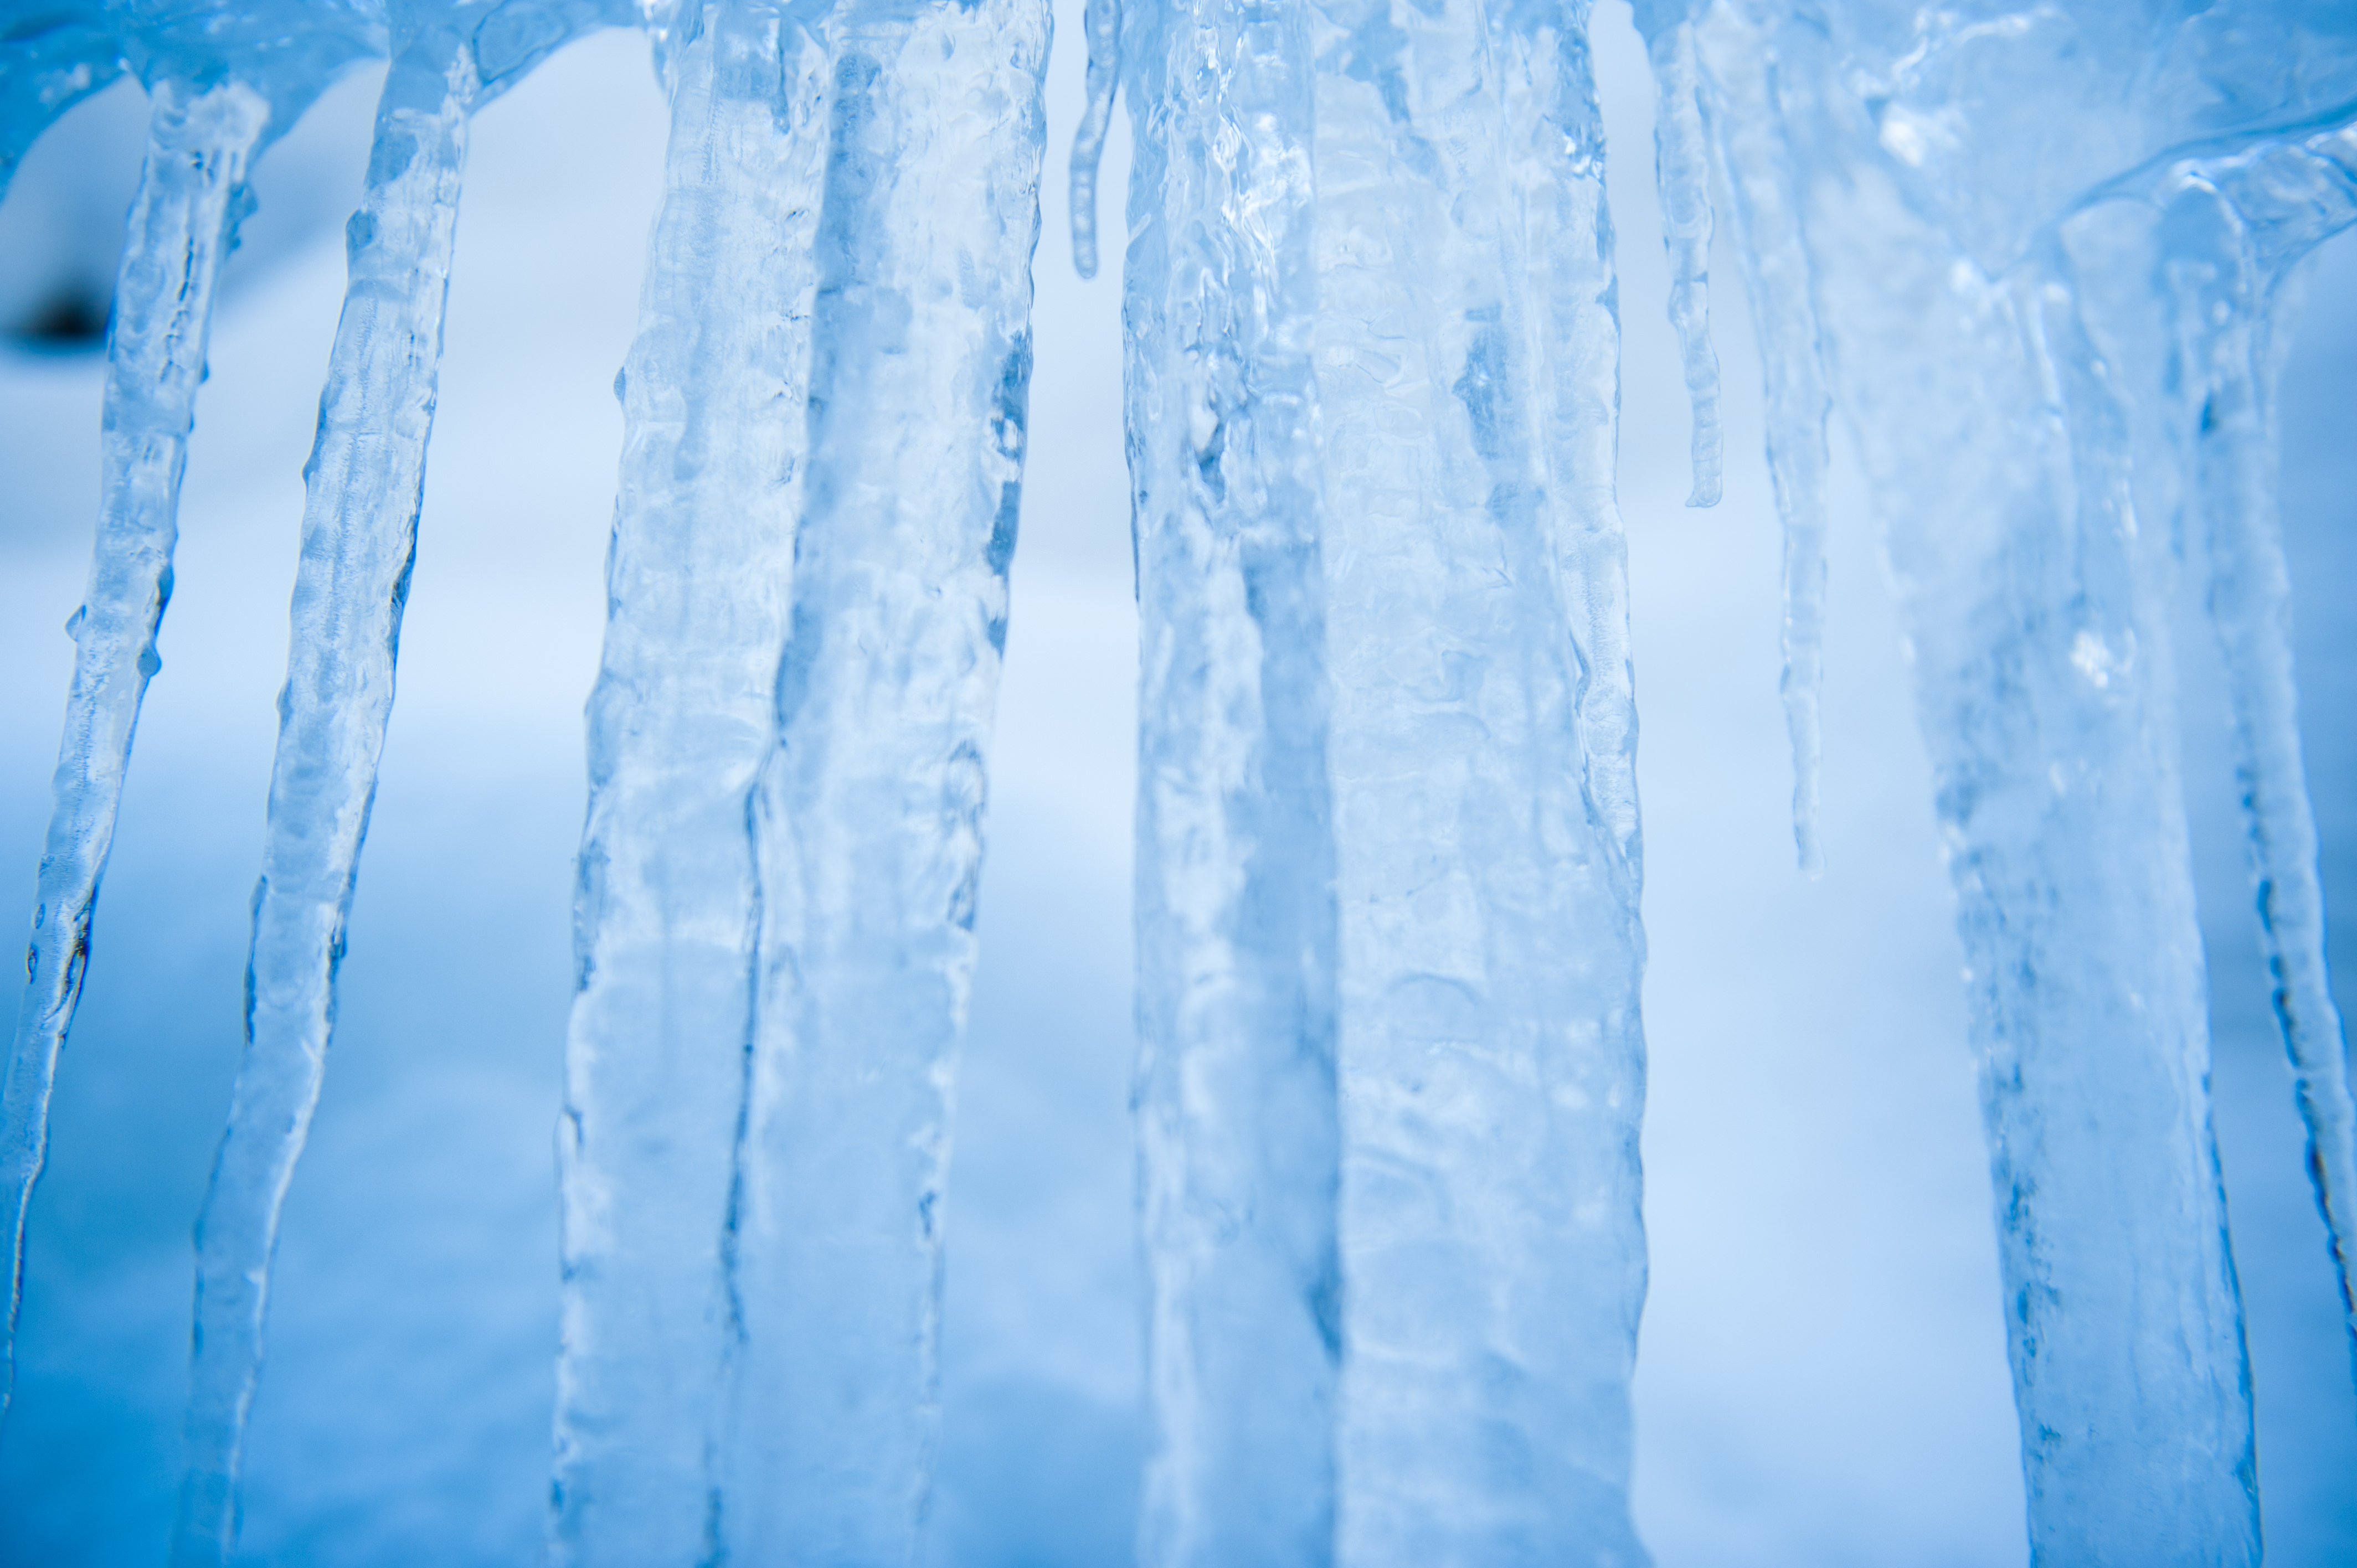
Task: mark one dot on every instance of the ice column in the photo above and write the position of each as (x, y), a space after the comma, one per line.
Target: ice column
(1388, 866)
(1999, 449)
(359, 538)
(682, 721)
(1236, 1095)
(825, 413)
(868, 820)
(213, 107)
(1740, 75)
(2232, 231)
(1484, 813)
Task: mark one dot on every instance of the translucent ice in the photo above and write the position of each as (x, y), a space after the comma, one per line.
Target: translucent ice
(825, 411)
(1388, 873)
(364, 487)
(221, 83)
(1238, 1117)
(1967, 202)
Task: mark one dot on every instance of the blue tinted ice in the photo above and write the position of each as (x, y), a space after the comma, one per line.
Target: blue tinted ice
(2044, 246)
(824, 416)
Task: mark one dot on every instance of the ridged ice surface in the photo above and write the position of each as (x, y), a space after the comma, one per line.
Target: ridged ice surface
(824, 412)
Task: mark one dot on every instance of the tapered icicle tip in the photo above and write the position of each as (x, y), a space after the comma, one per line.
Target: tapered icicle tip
(1800, 491)
(1101, 25)
(1809, 845)
(1682, 170)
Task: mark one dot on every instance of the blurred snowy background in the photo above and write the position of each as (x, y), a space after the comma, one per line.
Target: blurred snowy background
(1822, 1377)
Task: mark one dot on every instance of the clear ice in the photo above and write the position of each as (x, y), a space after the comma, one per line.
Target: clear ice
(1391, 1066)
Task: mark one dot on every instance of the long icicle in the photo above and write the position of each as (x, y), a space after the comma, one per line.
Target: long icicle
(1236, 1099)
(1739, 74)
(359, 532)
(1102, 23)
(682, 723)
(2226, 293)
(200, 142)
(870, 814)
(1490, 1057)
(1682, 175)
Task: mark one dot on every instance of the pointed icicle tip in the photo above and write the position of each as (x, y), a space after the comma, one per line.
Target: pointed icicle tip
(1682, 169)
(1101, 26)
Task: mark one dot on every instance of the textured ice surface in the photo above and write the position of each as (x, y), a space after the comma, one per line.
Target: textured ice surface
(825, 413)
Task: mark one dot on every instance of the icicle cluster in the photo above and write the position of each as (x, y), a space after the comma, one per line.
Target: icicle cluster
(1389, 953)
(2049, 331)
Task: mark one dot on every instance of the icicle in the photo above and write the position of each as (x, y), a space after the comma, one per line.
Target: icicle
(1997, 448)
(1682, 172)
(682, 722)
(825, 410)
(869, 822)
(1760, 178)
(1103, 24)
(200, 142)
(359, 536)
(1483, 811)
(1236, 1096)
(2227, 279)
(67, 53)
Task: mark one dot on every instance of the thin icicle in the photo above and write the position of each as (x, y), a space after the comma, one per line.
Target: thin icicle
(1102, 24)
(200, 144)
(1737, 73)
(1681, 174)
(359, 532)
(2228, 282)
